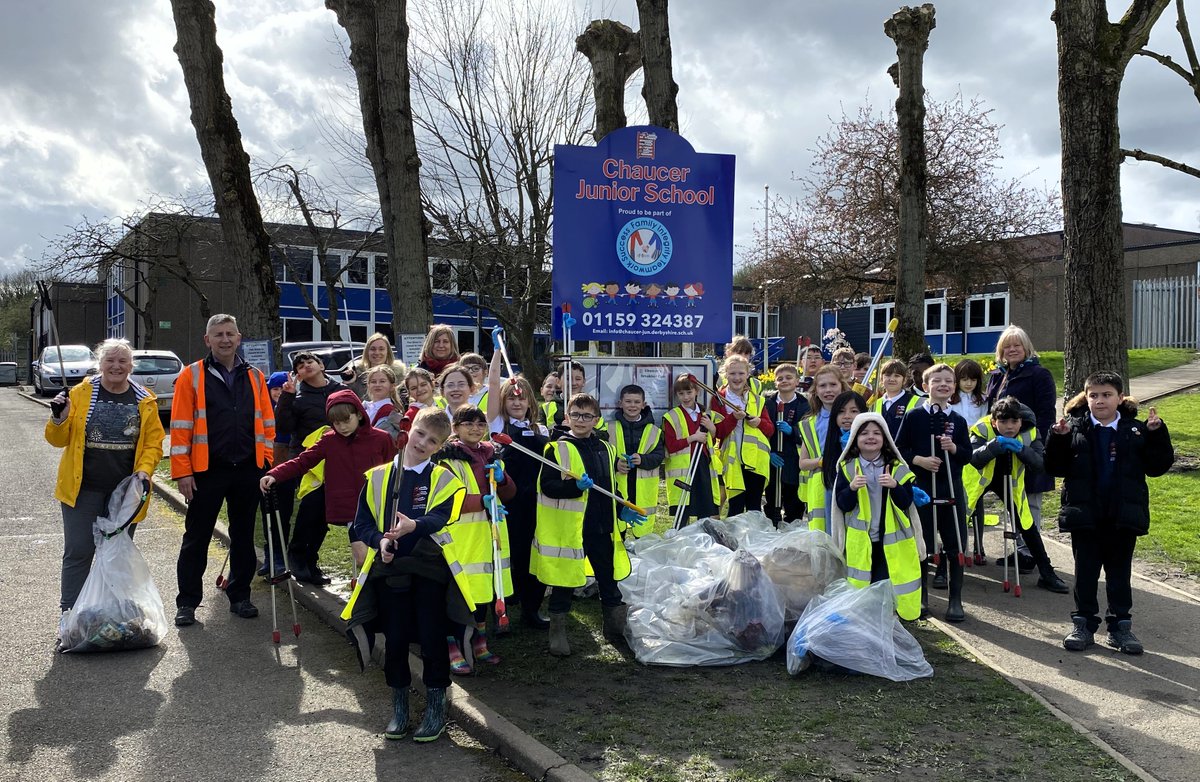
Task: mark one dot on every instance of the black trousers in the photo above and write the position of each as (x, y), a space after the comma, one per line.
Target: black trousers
(528, 591)
(237, 487)
(310, 530)
(751, 497)
(599, 550)
(417, 614)
(944, 516)
(793, 506)
(1112, 550)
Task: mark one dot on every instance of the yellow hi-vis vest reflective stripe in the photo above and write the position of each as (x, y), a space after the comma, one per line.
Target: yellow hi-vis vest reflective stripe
(976, 481)
(443, 487)
(314, 478)
(557, 557)
(645, 484)
(812, 484)
(677, 465)
(476, 547)
(899, 540)
(750, 450)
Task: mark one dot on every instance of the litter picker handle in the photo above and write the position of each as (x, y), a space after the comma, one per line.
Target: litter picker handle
(891, 330)
(504, 439)
(358, 584)
(713, 393)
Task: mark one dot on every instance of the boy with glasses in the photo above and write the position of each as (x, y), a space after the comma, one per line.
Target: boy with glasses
(574, 522)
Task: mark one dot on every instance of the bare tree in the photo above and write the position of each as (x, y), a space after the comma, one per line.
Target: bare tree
(1092, 56)
(910, 28)
(136, 252)
(844, 232)
(1190, 75)
(378, 32)
(615, 53)
(228, 167)
(658, 84)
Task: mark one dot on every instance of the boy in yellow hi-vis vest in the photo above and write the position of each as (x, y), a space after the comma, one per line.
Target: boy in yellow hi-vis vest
(405, 516)
(640, 451)
(577, 526)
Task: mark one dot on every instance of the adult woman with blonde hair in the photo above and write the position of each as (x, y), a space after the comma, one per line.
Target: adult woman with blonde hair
(376, 352)
(1019, 374)
(109, 428)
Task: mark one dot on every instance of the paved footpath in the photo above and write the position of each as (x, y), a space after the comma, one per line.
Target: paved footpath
(1148, 707)
(216, 701)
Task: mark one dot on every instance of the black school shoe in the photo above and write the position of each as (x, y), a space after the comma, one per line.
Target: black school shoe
(243, 608)
(185, 616)
(1121, 638)
(1025, 563)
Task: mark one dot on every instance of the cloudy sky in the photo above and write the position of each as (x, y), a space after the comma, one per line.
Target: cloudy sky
(94, 115)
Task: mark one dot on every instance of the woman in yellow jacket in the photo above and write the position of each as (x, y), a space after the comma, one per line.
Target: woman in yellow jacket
(109, 429)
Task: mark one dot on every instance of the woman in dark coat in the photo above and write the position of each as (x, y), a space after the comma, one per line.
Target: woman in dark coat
(1019, 374)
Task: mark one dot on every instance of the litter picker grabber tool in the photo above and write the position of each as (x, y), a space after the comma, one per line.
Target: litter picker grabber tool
(887, 337)
(779, 448)
(504, 439)
(497, 559)
(271, 508)
(223, 582)
(498, 337)
(938, 423)
(369, 559)
(44, 292)
(1010, 533)
(977, 528)
(712, 393)
(802, 347)
(686, 496)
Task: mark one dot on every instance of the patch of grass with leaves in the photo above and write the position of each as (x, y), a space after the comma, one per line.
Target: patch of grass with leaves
(1142, 361)
(621, 721)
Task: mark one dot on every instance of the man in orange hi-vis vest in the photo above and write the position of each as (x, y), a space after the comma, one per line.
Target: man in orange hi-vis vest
(222, 427)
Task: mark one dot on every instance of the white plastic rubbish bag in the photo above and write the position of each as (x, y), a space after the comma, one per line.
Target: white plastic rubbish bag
(119, 606)
(802, 562)
(858, 630)
(694, 602)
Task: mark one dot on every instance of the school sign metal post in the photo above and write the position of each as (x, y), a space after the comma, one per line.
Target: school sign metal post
(643, 239)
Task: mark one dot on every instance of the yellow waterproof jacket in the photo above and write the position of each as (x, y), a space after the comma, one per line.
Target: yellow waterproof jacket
(70, 434)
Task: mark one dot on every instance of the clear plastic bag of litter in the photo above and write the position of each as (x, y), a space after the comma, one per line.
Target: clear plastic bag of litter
(857, 629)
(802, 562)
(119, 606)
(694, 602)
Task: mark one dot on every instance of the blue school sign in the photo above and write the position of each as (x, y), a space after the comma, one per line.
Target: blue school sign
(643, 239)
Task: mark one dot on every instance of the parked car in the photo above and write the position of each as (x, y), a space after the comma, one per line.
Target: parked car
(157, 370)
(334, 355)
(78, 362)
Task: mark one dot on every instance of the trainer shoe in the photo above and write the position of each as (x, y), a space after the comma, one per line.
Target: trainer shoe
(243, 608)
(1122, 638)
(1081, 637)
(185, 615)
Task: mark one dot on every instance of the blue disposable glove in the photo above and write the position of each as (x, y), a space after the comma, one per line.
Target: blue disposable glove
(583, 483)
(501, 511)
(497, 334)
(776, 461)
(496, 469)
(630, 516)
(784, 427)
(568, 321)
(920, 498)
(1010, 444)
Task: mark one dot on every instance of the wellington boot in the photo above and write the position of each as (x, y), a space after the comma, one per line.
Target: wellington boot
(924, 590)
(615, 620)
(399, 724)
(939, 578)
(458, 663)
(559, 646)
(433, 723)
(954, 611)
(480, 645)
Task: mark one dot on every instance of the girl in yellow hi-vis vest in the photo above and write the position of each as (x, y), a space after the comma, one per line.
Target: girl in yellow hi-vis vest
(873, 519)
(827, 384)
(745, 432)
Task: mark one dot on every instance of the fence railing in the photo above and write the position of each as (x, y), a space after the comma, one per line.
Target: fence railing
(1165, 313)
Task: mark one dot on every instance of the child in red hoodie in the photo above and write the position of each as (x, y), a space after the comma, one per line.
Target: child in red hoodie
(349, 449)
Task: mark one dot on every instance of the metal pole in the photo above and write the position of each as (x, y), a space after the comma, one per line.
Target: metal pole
(766, 265)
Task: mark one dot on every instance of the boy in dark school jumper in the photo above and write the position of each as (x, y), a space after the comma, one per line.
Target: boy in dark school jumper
(785, 452)
(1104, 454)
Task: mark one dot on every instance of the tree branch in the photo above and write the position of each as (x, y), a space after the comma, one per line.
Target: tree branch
(1150, 157)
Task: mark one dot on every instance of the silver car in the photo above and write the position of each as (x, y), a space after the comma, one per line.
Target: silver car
(157, 370)
(77, 362)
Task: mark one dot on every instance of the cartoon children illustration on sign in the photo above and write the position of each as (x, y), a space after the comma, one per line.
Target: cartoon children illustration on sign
(694, 291)
(633, 291)
(672, 293)
(651, 293)
(612, 290)
(591, 292)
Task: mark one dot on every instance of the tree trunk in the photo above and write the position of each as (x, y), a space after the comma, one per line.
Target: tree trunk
(614, 52)
(378, 33)
(658, 87)
(909, 28)
(228, 168)
(1092, 56)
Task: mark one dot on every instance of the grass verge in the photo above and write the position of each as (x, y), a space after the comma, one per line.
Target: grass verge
(1142, 361)
(753, 723)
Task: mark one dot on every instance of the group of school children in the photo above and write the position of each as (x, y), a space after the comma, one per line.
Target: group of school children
(447, 525)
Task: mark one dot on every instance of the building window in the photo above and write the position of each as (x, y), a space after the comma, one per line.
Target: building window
(356, 270)
(442, 276)
(987, 312)
(299, 263)
(358, 332)
(381, 271)
(297, 330)
(935, 316)
(881, 315)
